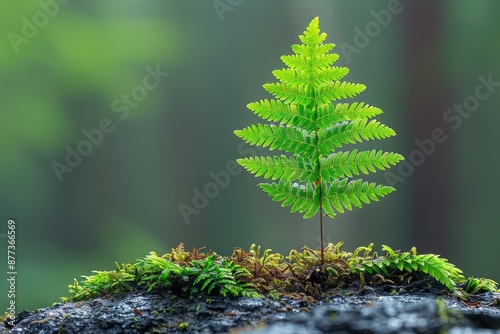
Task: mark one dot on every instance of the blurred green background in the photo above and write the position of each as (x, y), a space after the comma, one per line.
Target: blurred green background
(64, 68)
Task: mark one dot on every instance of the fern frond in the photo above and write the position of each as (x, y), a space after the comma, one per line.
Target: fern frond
(439, 268)
(350, 132)
(303, 198)
(476, 285)
(312, 35)
(346, 164)
(329, 114)
(277, 111)
(344, 194)
(283, 167)
(288, 139)
(312, 126)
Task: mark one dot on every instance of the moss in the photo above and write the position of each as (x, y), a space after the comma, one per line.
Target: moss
(183, 325)
(257, 273)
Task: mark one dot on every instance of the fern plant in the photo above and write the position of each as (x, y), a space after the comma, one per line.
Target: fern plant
(439, 268)
(312, 125)
(209, 275)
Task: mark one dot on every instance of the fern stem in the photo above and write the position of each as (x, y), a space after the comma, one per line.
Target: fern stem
(320, 185)
(321, 231)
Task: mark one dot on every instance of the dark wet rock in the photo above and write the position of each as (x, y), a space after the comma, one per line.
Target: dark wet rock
(392, 314)
(370, 311)
(143, 313)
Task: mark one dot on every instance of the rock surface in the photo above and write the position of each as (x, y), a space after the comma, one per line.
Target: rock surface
(368, 312)
(392, 314)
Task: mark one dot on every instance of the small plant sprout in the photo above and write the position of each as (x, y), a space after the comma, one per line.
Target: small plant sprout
(312, 125)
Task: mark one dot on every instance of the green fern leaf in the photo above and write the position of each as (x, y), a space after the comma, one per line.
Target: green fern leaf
(344, 194)
(350, 132)
(438, 268)
(288, 139)
(395, 262)
(312, 124)
(312, 35)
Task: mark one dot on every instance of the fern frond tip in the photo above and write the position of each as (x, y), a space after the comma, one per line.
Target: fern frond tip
(312, 34)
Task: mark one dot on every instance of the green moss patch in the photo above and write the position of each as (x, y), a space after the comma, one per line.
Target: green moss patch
(257, 273)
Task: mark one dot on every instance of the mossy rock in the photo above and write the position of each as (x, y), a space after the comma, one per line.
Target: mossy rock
(196, 292)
